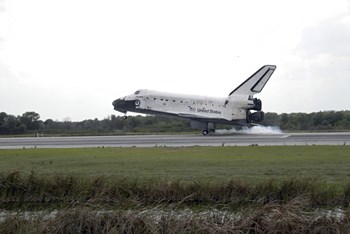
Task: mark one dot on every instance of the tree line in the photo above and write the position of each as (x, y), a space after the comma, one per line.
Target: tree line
(30, 122)
(316, 121)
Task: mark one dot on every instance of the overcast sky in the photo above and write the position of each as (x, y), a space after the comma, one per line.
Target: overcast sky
(72, 58)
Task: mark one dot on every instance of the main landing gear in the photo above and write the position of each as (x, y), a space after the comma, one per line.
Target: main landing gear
(206, 131)
(208, 128)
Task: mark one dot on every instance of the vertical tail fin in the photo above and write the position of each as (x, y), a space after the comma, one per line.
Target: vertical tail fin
(256, 82)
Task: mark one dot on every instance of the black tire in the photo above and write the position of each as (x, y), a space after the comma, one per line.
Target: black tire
(137, 103)
(205, 132)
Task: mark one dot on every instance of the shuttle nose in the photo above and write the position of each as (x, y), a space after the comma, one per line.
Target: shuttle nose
(119, 105)
(123, 105)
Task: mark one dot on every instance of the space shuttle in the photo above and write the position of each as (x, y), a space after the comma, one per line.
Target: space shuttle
(239, 108)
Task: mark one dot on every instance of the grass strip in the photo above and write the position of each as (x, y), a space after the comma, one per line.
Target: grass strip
(25, 192)
(206, 164)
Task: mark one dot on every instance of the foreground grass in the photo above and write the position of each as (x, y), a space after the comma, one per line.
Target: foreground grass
(206, 164)
(33, 191)
(288, 189)
(85, 205)
(268, 219)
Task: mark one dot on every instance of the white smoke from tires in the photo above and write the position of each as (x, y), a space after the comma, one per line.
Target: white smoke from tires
(253, 130)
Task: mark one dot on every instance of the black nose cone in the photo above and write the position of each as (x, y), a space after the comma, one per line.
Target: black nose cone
(119, 105)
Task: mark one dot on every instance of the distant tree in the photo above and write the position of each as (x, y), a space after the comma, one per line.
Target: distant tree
(30, 120)
(3, 126)
(12, 125)
(50, 125)
(271, 119)
(3, 116)
(284, 121)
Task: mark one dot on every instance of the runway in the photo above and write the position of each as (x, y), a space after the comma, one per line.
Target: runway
(342, 138)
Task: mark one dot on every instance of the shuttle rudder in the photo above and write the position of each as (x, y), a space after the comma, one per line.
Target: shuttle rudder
(256, 82)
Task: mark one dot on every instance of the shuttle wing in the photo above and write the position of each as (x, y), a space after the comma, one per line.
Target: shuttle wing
(193, 116)
(199, 117)
(256, 82)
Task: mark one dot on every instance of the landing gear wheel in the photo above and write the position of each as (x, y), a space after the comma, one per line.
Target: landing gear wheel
(125, 117)
(205, 132)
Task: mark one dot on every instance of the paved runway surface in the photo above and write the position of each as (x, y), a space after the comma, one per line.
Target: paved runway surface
(178, 140)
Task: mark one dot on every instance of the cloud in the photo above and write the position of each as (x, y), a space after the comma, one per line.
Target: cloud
(5, 72)
(78, 64)
(2, 5)
(328, 37)
(321, 68)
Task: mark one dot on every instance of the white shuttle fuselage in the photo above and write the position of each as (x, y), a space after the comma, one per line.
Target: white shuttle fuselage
(204, 112)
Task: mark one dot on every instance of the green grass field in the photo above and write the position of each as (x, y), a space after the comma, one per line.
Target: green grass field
(176, 190)
(330, 164)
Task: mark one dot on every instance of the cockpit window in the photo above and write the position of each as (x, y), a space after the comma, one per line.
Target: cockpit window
(137, 92)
